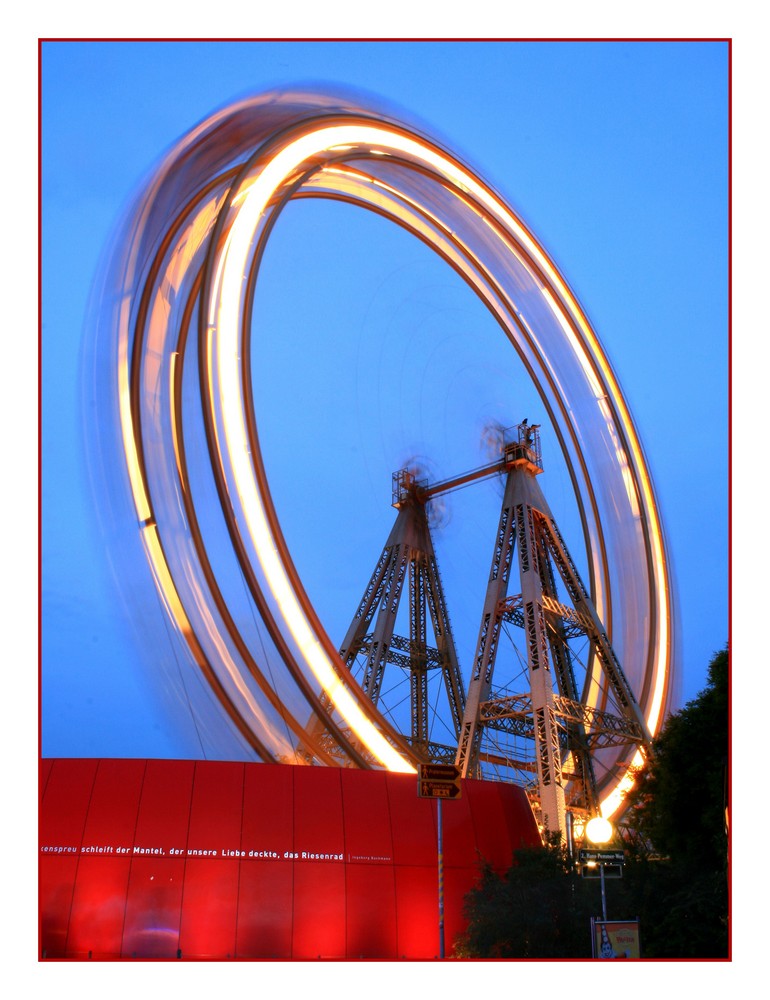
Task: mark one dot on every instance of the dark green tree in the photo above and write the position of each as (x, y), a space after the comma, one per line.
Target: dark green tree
(679, 807)
(680, 798)
(538, 909)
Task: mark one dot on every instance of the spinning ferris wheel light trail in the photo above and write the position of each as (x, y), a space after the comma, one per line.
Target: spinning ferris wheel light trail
(175, 343)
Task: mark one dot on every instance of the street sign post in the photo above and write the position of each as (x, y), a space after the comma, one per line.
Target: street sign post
(439, 781)
(601, 864)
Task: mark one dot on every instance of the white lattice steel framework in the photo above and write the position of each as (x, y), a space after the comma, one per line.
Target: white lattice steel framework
(555, 717)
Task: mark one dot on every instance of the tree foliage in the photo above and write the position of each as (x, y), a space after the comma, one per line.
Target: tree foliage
(537, 909)
(679, 802)
(680, 807)
(675, 877)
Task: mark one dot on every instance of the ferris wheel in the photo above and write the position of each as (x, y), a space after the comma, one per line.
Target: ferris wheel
(174, 342)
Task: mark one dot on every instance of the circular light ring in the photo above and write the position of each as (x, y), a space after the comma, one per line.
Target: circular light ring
(181, 283)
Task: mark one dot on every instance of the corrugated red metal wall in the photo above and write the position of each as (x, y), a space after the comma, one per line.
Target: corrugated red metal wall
(194, 859)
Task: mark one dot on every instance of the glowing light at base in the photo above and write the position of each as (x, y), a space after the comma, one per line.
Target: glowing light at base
(192, 248)
(598, 830)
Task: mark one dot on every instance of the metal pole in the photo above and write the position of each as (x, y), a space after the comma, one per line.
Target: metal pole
(604, 898)
(440, 883)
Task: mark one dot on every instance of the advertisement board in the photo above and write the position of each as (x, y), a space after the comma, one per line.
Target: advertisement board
(616, 939)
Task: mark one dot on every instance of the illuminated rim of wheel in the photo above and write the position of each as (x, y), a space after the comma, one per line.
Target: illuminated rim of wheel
(207, 250)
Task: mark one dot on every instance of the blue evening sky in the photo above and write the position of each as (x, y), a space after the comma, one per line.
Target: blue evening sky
(615, 154)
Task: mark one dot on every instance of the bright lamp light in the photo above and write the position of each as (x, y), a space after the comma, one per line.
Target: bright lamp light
(599, 830)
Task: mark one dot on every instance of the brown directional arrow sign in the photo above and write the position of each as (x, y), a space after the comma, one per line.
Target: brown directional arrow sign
(438, 781)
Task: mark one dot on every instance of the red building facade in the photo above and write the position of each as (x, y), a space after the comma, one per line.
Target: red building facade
(160, 859)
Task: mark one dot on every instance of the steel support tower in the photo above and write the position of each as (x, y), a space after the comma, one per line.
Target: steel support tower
(408, 565)
(554, 714)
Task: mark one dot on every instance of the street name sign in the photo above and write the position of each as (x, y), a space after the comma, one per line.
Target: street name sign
(605, 857)
(438, 781)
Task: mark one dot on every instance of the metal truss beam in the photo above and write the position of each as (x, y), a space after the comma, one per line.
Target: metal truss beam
(603, 729)
(403, 653)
